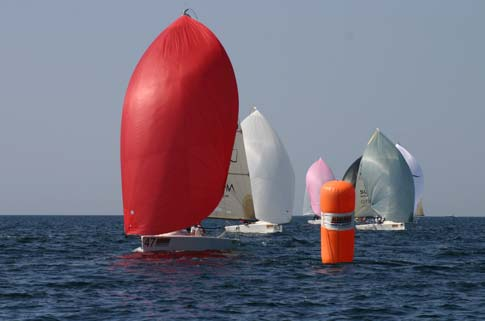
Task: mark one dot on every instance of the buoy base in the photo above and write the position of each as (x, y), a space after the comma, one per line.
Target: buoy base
(337, 246)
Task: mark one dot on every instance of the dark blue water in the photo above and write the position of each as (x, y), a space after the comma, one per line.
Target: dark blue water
(82, 268)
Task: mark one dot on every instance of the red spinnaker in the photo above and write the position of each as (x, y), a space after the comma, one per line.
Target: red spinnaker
(177, 130)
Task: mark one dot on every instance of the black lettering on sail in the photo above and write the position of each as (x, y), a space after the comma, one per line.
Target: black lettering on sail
(229, 188)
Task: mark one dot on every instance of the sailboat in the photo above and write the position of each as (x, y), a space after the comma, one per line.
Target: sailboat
(418, 179)
(384, 186)
(419, 209)
(318, 174)
(269, 196)
(177, 131)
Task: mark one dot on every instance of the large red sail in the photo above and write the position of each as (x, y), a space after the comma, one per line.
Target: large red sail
(177, 131)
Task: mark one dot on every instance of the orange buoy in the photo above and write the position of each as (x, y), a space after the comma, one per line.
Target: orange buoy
(337, 202)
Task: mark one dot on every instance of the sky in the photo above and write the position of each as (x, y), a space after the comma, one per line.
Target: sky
(324, 73)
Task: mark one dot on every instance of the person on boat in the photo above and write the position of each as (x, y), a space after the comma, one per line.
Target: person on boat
(197, 230)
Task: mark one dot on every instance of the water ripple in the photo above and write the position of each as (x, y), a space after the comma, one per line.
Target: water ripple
(82, 268)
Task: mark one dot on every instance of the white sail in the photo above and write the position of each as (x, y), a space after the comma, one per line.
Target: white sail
(272, 176)
(387, 179)
(417, 173)
(307, 207)
(419, 209)
(237, 202)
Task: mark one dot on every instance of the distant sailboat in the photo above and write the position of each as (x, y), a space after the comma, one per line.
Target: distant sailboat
(419, 209)
(177, 133)
(384, 187)
(307, 206)
(418, 179)
(318, 174)
(271, 177)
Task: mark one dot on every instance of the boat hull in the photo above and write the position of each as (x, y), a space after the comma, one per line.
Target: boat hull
(315, 221)
(174, 243)
(259, 227)
(386, 226)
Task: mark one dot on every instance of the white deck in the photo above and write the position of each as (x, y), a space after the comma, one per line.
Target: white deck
(315, 221)
(259, 227)
(386, 226)
(171, 243)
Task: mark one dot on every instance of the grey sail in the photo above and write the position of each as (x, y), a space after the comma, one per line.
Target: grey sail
(387, 179)
(237, 202)
(362, 204)
(351, 173)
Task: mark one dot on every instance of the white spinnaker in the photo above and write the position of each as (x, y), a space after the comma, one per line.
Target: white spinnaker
(417, 172)
(237, 202)
(272, 176)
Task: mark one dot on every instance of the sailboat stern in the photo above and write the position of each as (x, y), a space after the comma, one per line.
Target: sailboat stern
(386, 226)
(189, 243)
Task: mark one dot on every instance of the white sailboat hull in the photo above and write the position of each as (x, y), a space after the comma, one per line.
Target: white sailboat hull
(386, 226)
(317, 221)
(172, 243)
(259, 227)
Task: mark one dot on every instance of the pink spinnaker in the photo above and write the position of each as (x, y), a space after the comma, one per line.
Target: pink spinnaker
(317, 175)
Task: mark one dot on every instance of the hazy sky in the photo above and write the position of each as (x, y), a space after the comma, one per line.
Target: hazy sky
(325, 74)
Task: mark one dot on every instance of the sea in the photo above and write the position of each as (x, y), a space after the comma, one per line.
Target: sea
(84, 268)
